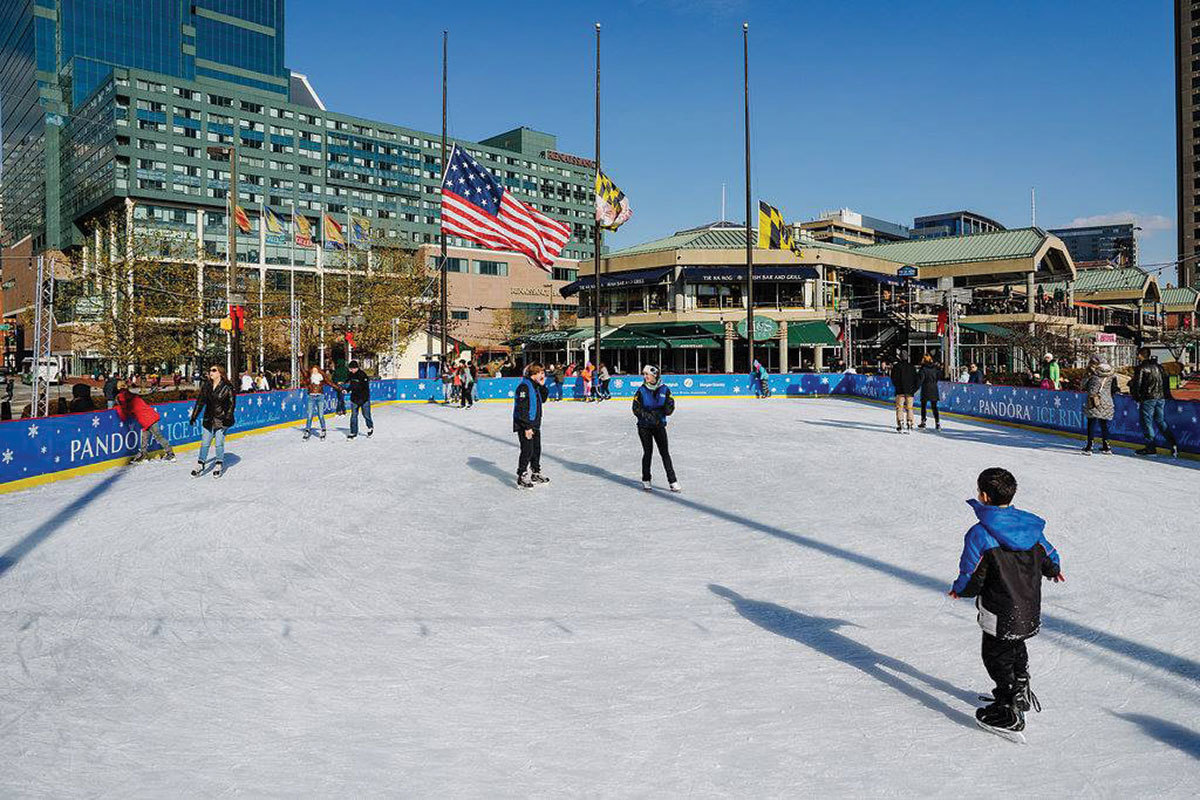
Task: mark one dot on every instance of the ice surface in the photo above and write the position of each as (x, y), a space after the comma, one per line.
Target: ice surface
(389, 616)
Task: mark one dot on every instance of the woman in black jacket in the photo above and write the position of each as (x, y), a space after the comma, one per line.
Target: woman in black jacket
(652, 404)
(215, 401)
(929, 375)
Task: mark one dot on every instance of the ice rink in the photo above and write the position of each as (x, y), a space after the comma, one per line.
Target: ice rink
(391, 617)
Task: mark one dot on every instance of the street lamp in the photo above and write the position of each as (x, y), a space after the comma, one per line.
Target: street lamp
(233, 360)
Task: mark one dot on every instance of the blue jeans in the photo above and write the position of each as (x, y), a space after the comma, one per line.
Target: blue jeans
(366, 412)
(1154, 416)
(558, 389)
(315, 408)
(206, 437)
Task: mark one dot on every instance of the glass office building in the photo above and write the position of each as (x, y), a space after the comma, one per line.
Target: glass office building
(105, 102)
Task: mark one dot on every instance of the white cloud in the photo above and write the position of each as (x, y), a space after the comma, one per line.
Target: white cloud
(1150, 223)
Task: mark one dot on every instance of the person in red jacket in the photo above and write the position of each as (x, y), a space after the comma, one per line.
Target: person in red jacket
(128, 406)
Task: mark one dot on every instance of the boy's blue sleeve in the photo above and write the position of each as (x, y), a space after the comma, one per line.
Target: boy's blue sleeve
(1051, 567)
(974, 543)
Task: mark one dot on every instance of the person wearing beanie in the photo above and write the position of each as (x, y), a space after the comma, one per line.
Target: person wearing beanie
(652, 404)
(528, 401)
(129, 405)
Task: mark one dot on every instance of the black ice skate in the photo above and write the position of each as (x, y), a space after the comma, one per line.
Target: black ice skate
(322, 436)
(1087, 450)
(198, 469)
(217, 469)
(1106, 450)
(1023, 697)
(538, 477)
(370, 432)
(307, 434)
(524, 482)
(1002, 717)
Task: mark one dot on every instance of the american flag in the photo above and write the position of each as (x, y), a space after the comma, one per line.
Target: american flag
(476, 206)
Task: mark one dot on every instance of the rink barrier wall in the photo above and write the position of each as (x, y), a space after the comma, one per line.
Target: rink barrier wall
(1043, 410)
(37, 451)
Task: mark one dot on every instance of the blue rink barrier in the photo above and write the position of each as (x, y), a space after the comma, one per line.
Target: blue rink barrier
(34, 451)
(1040, 408)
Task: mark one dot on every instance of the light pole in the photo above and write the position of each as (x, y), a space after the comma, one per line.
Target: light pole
(233, 357)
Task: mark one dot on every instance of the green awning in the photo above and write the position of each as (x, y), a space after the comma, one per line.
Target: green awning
(807, 334)
(623, 338)
(693, 342)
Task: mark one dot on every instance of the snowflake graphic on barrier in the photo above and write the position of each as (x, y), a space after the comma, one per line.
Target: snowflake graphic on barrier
(96, 420)
(43, 449)
(7, 457)
(33, 429)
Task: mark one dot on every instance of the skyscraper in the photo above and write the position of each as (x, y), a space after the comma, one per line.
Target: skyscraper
(1187, 124)
(57, 52)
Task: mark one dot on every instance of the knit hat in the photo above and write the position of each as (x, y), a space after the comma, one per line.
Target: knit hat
(653, 370)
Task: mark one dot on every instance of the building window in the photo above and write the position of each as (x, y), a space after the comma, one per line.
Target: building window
(565, 274)
(496, 268)
(461, 315)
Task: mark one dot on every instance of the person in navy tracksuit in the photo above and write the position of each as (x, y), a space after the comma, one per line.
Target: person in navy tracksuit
(652, 404)
(528, 401)
(1005, 556)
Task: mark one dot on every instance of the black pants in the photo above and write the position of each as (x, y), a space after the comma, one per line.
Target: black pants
(650, 437)
(531, 452)
(468, 395)
(936, 419)
(1103, 430)
(1005, 660)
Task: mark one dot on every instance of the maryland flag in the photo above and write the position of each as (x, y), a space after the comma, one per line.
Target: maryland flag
(274, 226)
(241, 219)
(773, 232)
(303, 230)
(612, 206)
(360, 231)
(332, 233)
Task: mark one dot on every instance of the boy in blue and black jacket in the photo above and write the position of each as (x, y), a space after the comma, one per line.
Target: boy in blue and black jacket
(1005, 556)
(528, 401)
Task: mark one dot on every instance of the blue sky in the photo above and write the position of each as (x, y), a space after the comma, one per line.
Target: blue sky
(894, 110)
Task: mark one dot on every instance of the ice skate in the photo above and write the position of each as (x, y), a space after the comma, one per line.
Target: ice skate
(322, 436)
(538, 477)
(198, 469)
(137, 459)
(1023, 697)
(1002, 717)
(1106, 450)
(217, 469)
(675, 487)
(307, 435)
(170, 458)
(922, 425)
(646, 486)
(899, 429)
(351, 436)
(370, 432)
(524, 482)
(1087, 450)
(1174, 450)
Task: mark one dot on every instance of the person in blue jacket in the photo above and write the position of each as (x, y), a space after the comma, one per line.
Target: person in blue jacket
(762, 384)
(1005, 556)
(528, 402)
(652, 404)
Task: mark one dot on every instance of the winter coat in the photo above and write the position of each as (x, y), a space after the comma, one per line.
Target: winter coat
(975, 377)
(316, 388)
(1005, 556)
(466, 376)
(904, 378)
(1100, 385)
(528, 401)
(1051, 372)
(652, 405)
(216, 403)
(130, 405)
(929, 375)
(1150, 382)
(360, 387)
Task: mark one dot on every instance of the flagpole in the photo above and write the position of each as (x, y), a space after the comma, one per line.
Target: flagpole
(597, 232)
(262, 280)
(321, 292)
(749, 247)
(442, 231)
(293, 339)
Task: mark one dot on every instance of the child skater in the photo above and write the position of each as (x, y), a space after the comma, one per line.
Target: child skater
(1005, 556)
(528, 401)
(652, 404)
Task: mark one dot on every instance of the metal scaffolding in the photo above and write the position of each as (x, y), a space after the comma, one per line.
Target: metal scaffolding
(43, 332)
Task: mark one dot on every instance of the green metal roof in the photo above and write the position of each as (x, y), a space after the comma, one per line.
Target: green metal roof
(1017, 243)
(988, 329)
(1088, 281)
(1180, 297)
(711, 239)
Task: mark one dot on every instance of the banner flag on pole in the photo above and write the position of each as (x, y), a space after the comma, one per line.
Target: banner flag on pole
(773, 232)
(303, 230)
(241, 219)
(332, 234)
(360, 231)
(612, 206)
(273, 226)
(477, 207)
